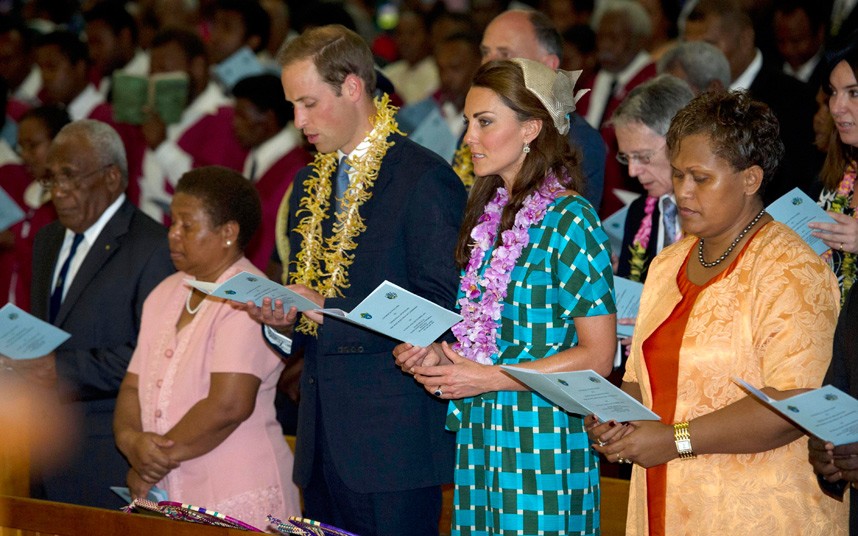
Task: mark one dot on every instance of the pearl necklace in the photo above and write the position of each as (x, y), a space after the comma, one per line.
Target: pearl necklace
(188, 304)
(723, 256)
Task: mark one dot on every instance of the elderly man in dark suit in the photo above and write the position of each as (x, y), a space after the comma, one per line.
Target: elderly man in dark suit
(371, 451)
(92, 269)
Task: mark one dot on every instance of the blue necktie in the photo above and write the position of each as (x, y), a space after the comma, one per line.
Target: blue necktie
(668, 221)
(57, 294)
(341, 183)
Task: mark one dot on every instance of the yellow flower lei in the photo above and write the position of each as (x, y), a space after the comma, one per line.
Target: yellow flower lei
(322, 265)
(463, 165)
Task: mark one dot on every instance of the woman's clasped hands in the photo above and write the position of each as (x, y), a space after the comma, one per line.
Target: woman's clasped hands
(442, 371)
(150, 462)
(646, 443)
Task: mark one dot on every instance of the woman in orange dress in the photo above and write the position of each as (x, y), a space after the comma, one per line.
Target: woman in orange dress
(740, 296)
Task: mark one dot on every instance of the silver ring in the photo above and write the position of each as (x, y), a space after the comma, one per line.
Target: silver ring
(439, 392)
(602, 443)
(624, 460)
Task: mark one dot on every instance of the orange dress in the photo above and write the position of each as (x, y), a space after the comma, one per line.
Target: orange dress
(769, 319)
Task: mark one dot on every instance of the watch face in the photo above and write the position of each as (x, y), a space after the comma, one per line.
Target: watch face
(683, 445)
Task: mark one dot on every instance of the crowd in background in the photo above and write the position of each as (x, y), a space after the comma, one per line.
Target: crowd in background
(62, 62)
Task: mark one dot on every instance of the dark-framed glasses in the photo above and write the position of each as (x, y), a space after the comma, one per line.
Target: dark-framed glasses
(68, 181)
(643, 158)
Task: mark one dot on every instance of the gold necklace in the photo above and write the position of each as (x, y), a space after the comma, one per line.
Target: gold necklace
(322, 264)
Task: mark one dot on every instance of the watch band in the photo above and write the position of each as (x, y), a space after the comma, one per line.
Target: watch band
(682, 437)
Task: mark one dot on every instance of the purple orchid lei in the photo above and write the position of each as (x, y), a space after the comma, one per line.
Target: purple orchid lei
(481, 309)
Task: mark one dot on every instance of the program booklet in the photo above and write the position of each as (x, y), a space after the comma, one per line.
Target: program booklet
(796, 209)
(245, 287)
(584, 392)
(23, 336)
(628, 302)
(827, 412)
(389, 309)
(10, 212)
(615, 226)
(165, 94)
(402, 315)
(242, 64)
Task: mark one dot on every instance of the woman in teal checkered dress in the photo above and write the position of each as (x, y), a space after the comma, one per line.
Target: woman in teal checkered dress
(537, 292)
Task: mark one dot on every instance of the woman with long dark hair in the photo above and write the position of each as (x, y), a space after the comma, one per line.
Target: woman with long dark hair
(536, 292)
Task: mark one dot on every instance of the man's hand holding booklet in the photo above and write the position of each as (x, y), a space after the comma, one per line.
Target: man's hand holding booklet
(389, 309)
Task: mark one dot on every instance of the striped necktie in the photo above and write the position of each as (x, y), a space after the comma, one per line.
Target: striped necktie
(59, 288)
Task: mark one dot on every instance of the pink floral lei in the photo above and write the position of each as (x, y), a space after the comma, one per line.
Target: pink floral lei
(481, 309)
(641, 241)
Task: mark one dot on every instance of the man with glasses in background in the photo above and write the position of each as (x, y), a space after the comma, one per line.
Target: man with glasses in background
(92, 269)
(640, 123)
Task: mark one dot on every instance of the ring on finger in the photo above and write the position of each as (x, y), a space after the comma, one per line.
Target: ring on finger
(438, 392)
(841, 246)
(602, 443)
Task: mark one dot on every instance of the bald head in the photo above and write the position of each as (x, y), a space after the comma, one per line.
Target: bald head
(513, 34)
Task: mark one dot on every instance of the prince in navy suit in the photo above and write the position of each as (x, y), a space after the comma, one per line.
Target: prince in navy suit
(371, 447)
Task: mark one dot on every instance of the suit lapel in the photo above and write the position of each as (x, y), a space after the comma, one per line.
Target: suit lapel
(383, 179)
(381, 182)
(106, 245)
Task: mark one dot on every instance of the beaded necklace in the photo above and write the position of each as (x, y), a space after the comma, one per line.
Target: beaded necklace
(724, 255)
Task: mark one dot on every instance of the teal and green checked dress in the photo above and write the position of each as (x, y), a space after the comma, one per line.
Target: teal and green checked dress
(524, 466)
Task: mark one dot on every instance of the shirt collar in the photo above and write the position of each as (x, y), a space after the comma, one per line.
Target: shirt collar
(639, 62)
(83, 105)
(805, 70)
(91, 234)
(744, 80)
(267, 153)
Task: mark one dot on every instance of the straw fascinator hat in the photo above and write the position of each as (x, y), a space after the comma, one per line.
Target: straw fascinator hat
(554, 89)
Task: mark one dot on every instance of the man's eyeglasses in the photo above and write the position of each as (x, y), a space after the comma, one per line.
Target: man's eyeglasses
(67, 182)
(643, 158)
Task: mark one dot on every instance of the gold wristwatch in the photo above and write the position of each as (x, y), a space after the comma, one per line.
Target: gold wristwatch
(683, 441)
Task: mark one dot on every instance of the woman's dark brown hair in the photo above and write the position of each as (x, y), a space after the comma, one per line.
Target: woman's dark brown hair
(226, 196)
(742, 131)
(839, 154)
(549, 152)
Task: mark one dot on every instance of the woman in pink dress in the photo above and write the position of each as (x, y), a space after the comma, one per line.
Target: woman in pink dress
(195, 414)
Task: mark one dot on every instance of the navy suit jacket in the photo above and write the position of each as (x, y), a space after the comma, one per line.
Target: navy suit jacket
(101, 311)
(384, 432)
(794, 105)
(593, 153)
